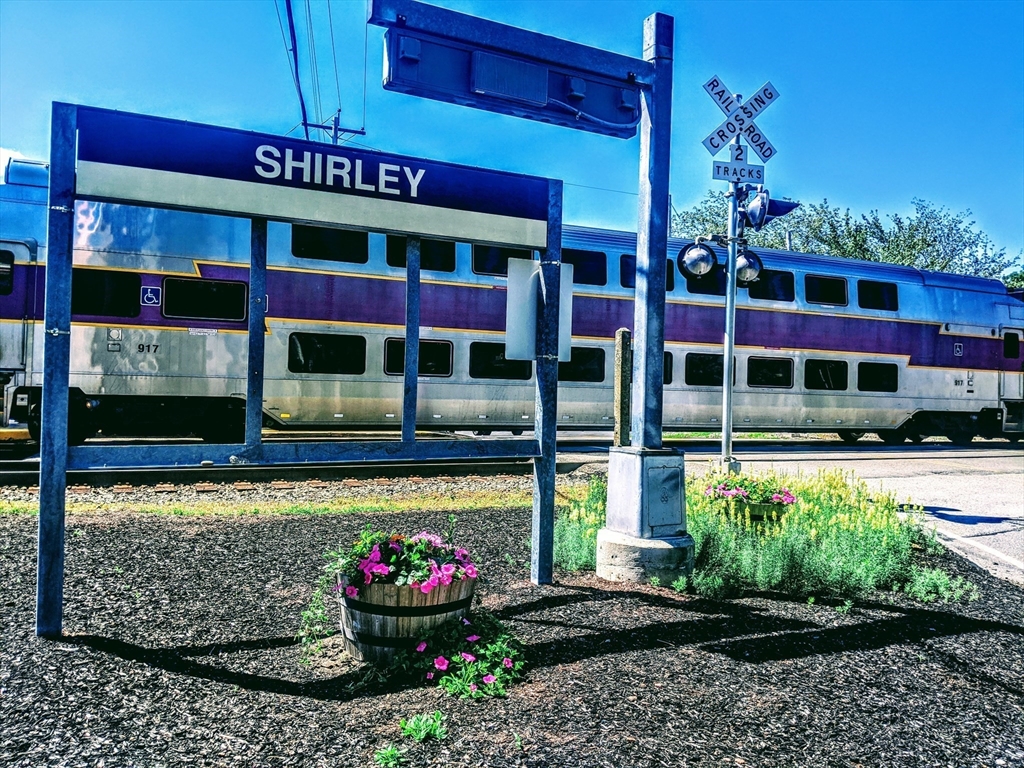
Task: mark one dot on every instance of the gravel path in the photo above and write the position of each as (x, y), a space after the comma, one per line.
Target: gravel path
(179, 650)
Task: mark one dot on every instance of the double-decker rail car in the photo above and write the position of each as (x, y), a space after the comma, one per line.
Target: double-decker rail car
(159, 327)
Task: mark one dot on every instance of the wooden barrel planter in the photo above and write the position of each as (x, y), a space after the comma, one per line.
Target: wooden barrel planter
(386, 618)
(759, 513)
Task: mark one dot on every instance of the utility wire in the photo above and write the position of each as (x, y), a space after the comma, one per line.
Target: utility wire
(295, 64)
(314, 68)
(334, 53)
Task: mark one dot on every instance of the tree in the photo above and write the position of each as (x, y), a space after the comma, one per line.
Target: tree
(932, 238)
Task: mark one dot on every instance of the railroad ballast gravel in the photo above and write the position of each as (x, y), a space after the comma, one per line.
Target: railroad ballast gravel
(179, 650)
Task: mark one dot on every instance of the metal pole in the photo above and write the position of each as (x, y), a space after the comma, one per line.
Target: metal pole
(53, 441)
(652, 236)
(542, 538)
(729, 345)
(257, 338)
(621, 389)
(412, 338)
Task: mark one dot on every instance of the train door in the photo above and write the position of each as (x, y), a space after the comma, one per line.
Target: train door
(17, 300)
(1011, 378)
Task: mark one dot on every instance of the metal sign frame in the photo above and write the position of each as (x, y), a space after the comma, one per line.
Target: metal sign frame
(56, 457)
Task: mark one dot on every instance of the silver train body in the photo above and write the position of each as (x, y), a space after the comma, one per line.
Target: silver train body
(823, 345)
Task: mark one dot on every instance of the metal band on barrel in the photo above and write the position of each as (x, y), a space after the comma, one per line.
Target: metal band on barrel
(407, 610)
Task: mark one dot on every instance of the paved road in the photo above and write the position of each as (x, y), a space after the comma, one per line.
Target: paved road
(973, 496)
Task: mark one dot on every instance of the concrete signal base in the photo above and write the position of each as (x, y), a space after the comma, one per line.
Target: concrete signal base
(645, 533)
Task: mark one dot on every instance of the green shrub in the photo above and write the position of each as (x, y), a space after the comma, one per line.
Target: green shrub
(576, 529)
(931, 584)
(422, 727)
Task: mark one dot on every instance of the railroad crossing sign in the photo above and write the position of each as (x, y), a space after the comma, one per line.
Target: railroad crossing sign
(737, 169)
(739, 120)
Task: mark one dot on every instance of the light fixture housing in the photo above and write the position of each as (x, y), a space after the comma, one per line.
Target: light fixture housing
(748, 267)
(697, 260)
(762, 209)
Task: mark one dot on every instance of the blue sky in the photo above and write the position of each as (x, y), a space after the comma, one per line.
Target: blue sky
(880, 102)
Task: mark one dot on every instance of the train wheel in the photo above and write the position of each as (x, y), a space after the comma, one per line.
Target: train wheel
(849, 436)
(915, 437)
(35, 425)
(1013, 438)
(961, 439)
(518, 432)
(892, 436)
(481, 432)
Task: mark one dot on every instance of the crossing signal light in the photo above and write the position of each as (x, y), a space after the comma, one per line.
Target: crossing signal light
(697, 260)
(762, 209)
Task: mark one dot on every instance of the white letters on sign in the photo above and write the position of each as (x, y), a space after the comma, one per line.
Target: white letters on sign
(337, 170)
(739, 119)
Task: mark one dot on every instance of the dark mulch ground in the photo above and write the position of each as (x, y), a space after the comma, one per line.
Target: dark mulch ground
(179, 650)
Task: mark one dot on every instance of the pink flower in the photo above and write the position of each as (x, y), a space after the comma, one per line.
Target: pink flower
(396, 546)
(425, 587)
(448, 569)
(375, 554)
(466, 622)
(468, 657)
(507, 662)
(461, 554)
(430, 675)
(470, 570)
(488, 679)
(441, 663)
(472, 638)
(472, 687)
(414, 584)
(421, 648)
(351, 591)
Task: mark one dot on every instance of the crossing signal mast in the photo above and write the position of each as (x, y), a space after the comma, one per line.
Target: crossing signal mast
(744, 266)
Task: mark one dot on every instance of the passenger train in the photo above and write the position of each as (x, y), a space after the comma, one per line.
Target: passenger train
(159, 343)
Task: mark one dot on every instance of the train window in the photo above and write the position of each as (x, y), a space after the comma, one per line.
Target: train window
(487, 361)
(826, 374)
(586, 364)
(326, 353)
(703, 370)
(627, 272)
(770, 372)
(105, 292)
(877, 377)
(711, 284)
(6, 273)
(875, 295)
(435, 255)
(589, 267)
(1011, 345)
(330, 244)
(826, 290)
(772, 285)
(435, 357)
(196, 299)
(493, 259)
(667, 366)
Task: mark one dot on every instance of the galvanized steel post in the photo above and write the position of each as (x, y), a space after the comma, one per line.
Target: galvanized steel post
(622, 388)
(412, 338)
(257, 340)
(53, 442)
(542, 539)
(729, 344)
(652, 235)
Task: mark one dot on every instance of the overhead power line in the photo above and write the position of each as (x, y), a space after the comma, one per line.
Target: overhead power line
(295, 65)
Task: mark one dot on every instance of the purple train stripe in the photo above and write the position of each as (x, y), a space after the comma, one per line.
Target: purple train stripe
(371, 300)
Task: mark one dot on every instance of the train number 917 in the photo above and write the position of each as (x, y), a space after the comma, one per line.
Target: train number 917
(148, 347)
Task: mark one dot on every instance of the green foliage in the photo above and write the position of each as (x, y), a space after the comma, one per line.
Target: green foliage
(679, 585)
(576, 530)
(931, 584)
(837, 540)
(655, 581)
(471, 658)
(1014, 279)
(389, 757)
(932, 238)
(422, 727)
(845, 607)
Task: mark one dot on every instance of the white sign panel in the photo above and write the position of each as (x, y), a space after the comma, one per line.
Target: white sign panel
(723, 96)
(741, 121)
(738, 172)
(521, 311)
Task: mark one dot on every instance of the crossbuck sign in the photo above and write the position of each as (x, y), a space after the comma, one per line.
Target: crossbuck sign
(739, 121)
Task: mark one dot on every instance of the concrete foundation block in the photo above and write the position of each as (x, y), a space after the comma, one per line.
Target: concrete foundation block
(621, 557)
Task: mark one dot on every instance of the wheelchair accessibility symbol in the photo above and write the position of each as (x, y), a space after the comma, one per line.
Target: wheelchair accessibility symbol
(958, 350)
(151, 297)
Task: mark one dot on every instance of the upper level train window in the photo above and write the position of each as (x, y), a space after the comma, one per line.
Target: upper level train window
(877, 377)
(493, 259)
(826, 374)
(769, 372)
(435, 255)
(197, 299)
(105, 292)
(627, 272)
(487, 361)
(1011, 345)
(875, 295)
(330, 244)
(435, 357)
(6, 273)
(772, 285)
(326, 353)
(703, 370)
(826, 290)
(586, 364)
(711, 284)
(589, 267)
